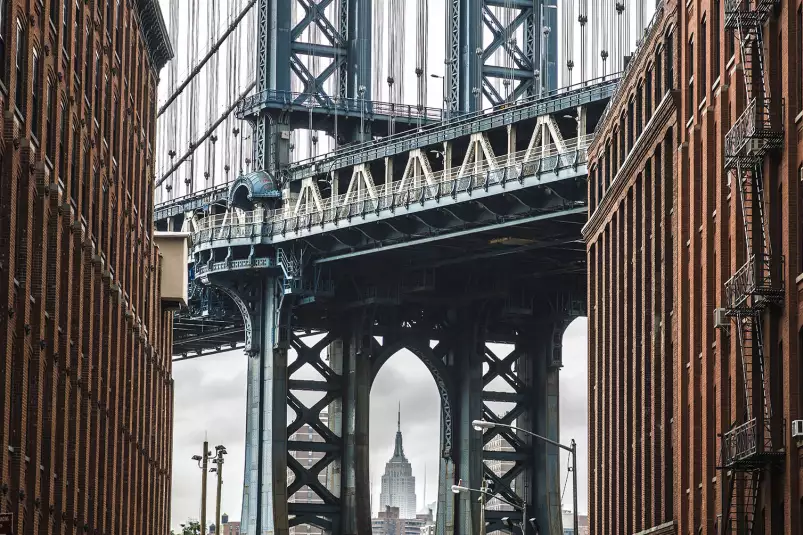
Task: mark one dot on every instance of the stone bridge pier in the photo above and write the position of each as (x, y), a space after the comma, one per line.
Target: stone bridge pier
(492, 356)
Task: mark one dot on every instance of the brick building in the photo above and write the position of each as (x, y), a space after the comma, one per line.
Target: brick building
(85, 344)
(695, 252)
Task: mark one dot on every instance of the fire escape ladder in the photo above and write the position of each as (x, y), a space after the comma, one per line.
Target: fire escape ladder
(747, 448)
(743, 502)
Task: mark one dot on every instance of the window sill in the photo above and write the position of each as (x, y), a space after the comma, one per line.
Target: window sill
(702, 104)
(799, 119)
(716, 84)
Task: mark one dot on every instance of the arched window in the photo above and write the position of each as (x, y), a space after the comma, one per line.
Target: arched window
(36, 96)
(19, 62)
(3, 28)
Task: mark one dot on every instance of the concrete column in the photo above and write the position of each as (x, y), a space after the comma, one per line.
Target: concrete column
(466, 359)
(355, 480)
(264, 508)
(582, 121)
(334, 470)
(511, 143)
(388, 175)
(541, 482)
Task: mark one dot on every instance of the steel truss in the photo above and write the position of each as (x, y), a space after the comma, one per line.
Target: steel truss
(470, 70)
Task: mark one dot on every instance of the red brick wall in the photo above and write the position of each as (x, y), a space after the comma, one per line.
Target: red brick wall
(693, 242)
(85, 388)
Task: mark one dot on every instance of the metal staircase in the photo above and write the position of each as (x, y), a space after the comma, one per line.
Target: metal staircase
(747, 448)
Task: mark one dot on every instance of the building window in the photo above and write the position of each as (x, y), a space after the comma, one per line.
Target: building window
(78, 45)
(113, 113)
(51, 120)
(118, 41)
(3, 19)
(19, 92)
(87, 56)
(54, 15)
(85, 185)
(62, 142)
(648, 95)
(65, 26)
(690, 93)
(107, 109)
(74, 164)
(670, 62)
(717, 35)
(36, 96)
(109, 15)
(800, 222)
(659, 82)
(96, 104)
(799, 62)
(730, 40)
(703, 60)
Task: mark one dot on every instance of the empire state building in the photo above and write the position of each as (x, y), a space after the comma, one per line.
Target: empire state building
(398, 483)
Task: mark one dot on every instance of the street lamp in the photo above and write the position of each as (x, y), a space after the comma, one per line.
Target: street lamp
(202, 464)
(457, 489)
(481, 425)
(443, 90)
(220, 451)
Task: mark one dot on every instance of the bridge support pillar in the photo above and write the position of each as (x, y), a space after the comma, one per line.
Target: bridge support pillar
(582, 121)
(466, 361)
(264, 508)
(355, 480)
(540, 364)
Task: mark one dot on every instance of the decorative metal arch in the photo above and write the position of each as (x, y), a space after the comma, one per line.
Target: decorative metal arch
(439, 374)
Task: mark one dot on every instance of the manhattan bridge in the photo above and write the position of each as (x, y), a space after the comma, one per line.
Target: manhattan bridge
(378, 175)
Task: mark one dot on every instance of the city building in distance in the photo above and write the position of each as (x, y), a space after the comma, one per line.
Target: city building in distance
(695, 254)
(398, 483)
(86, 394)
(390, 522)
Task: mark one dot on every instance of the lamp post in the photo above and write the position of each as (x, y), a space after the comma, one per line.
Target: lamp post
(480, 425)
(443, 90)
(220, 451)
(483, 492)
(202, 464)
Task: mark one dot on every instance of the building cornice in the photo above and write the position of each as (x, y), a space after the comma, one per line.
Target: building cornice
(655, 127)
(154, 31)
(635, 67)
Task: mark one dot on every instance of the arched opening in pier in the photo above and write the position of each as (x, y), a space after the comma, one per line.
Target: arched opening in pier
(405, 419)
(574, 413)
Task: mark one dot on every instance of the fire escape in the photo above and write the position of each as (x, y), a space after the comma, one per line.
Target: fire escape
(747, 448)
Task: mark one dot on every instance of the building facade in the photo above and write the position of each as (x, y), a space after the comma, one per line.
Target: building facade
(85, 344)
(307, 459)
(398, 483)
(390, 522)
(695, 252)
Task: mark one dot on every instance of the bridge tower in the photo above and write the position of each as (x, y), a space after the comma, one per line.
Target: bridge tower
(469, 70)
(282, 295)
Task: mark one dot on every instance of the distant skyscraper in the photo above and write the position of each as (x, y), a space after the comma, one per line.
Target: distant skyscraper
(398, 483)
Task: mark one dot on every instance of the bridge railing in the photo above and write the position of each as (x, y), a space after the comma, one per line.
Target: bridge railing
(457, 118)
(415, 189)
(254, 103)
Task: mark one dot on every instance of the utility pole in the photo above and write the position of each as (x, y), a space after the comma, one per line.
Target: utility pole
(203, 487)
(202, 461)
(220, 451)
